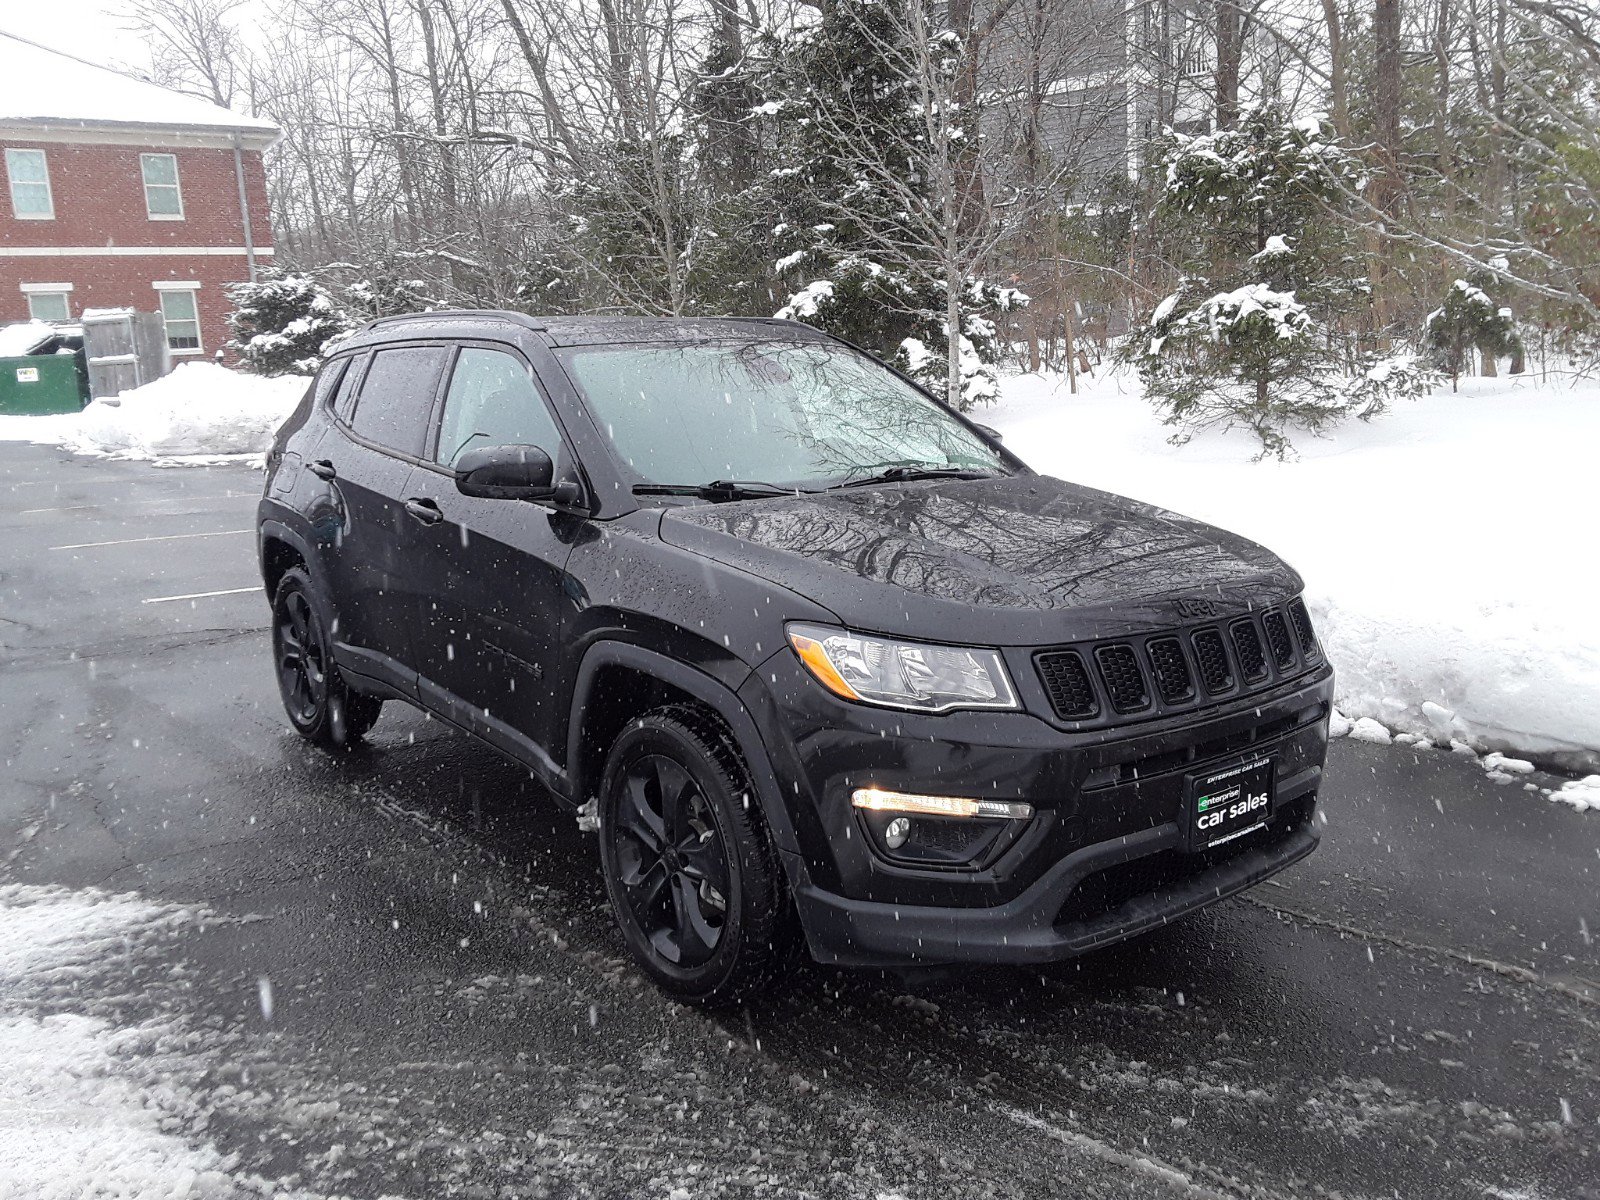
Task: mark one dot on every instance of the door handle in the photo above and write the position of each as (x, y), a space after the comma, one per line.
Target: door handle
(321, 468)
(424, 510)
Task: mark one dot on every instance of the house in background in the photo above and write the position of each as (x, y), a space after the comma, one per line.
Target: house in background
(1099, 79)
(119, 193)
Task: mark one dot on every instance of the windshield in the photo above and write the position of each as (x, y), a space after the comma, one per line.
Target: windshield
(794, 414)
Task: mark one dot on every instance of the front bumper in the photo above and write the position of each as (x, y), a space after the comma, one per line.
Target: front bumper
(1036, 927)
(1103, 858)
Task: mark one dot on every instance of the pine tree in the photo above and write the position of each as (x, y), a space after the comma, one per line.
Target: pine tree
(388, 292)
(855, 190)
(1469, 320)
(732, 272)
(1253, 335)
(284, 324)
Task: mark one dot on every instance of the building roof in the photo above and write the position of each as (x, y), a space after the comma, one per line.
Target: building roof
(43, 89)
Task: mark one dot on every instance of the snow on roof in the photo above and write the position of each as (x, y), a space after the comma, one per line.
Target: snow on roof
(39, 85)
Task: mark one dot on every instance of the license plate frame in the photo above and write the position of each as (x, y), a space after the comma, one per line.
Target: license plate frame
(1229, 801)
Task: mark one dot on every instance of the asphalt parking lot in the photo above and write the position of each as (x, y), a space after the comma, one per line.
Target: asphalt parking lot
(1413, 1012)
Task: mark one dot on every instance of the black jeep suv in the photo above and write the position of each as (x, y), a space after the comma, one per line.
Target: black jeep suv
(824, 657)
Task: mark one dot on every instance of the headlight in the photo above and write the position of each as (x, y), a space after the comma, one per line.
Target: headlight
(911, 675)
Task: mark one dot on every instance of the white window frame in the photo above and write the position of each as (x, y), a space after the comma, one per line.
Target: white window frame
(64, 290)
(176, 185)
(49, 191)
(192, 287)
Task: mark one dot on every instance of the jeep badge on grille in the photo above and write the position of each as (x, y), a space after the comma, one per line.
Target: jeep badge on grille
(1192, 607)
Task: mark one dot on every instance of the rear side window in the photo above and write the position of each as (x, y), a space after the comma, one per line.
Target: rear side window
(397, 395)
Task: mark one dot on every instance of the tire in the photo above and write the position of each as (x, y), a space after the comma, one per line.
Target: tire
(694, 881)
(322, 708)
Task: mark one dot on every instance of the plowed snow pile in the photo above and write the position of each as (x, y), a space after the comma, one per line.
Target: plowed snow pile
(1448, 547)
(199, 411)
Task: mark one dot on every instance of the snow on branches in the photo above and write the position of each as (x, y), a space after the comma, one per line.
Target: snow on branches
(1469, 320)
(284, 324)
(1260, 332)
(1260, 167)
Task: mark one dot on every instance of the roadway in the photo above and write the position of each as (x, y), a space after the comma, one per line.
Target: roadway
(1411, 1012)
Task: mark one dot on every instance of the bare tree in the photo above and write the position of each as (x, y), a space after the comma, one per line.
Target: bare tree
(194, 45)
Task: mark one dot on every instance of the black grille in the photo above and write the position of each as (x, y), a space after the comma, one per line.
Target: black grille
(1119, 667)
(1278, 639)
(1247, 644)
(1210, 653)
(1302, 630)
(1066, 681)
(1172, 671)
(1161, 672)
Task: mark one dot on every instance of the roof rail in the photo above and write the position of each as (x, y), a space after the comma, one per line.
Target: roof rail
(448, 314)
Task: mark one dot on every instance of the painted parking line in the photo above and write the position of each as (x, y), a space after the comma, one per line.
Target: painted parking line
(180, 499)
(201, 595)
(166, 537)
(76, 483)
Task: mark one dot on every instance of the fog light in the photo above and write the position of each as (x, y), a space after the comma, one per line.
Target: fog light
(882, 800)
(896, 833)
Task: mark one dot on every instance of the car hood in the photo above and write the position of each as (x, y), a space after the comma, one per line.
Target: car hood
(1015, 560)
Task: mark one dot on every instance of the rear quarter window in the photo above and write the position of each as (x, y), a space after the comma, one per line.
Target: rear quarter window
(327, 379)
(344, 397)
(397, 397)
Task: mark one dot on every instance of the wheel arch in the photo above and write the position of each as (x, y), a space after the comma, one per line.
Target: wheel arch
(618, 681)
(281, 549)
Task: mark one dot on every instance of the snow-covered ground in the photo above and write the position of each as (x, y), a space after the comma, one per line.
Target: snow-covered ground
(201, 412)
(94, 1103)
(1448, 547)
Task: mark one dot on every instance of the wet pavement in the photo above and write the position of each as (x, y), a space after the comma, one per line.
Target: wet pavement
(1414, 1011)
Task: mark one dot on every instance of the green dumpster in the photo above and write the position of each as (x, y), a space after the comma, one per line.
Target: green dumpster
(42, 383)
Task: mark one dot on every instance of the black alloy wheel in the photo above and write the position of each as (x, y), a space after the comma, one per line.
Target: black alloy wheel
(302, 659)
(695, 884)
(319, 704)
(672, 863)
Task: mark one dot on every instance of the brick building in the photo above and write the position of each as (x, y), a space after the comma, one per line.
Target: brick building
(119, 193)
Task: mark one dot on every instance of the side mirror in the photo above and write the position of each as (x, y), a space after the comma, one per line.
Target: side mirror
(506, 473)
(989, 432)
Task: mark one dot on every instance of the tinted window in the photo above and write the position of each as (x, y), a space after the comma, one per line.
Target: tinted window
(329, 378)
(344, 400)
(492, 401)
(396, 396)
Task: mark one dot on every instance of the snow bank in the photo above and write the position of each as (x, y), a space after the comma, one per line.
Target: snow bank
(199, 410)
(1448, 546)
(90, 1108)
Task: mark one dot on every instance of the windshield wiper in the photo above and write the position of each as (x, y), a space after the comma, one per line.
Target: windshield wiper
(717, 489)
(902, 472)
